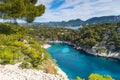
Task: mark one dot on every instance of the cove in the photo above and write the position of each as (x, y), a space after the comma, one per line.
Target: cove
(78, 63)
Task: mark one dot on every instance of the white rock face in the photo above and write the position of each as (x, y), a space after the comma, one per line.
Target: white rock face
(13, 72)
(46, 46)
(105, 54)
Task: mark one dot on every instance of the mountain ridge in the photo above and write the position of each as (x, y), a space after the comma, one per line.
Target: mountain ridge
(79, 22)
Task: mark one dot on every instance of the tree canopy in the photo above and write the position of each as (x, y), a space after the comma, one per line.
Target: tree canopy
(103, 37)
(99, 77)
(22, 9)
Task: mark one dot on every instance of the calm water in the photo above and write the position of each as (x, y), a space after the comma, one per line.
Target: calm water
(77, 63)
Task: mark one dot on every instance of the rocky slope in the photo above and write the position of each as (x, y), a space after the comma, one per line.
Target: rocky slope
(13, 72)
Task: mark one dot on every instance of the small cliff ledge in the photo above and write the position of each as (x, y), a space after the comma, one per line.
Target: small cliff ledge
(13, 72)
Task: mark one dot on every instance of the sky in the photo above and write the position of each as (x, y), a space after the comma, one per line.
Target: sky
(64, 10)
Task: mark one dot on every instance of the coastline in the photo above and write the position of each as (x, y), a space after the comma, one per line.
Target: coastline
(91, 51)
(59, 70)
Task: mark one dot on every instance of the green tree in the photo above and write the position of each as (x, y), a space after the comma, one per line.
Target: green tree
(22, 9)
(78, 78)
(99, 77)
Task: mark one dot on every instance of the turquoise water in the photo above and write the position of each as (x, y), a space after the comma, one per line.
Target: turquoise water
(77, 63)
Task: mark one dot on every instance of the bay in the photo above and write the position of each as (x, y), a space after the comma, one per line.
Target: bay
(78, 63)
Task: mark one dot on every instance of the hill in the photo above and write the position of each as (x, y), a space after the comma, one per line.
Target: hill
(102, 19)
(97, 39)
(79, 22)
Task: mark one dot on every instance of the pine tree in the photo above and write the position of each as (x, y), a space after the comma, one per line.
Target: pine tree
(20, 9)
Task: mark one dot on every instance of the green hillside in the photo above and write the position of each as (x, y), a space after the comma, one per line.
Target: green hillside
(16, 45)
(104, 37)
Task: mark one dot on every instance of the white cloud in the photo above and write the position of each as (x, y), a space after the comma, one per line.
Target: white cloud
(47, 3)
(82, 9)
(69, 3)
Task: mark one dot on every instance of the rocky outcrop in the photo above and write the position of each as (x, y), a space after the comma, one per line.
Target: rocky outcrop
(13, 72)
(46, 46)
(110, 54)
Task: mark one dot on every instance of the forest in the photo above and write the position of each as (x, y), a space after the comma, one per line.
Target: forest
(16, 45)
(104, 36)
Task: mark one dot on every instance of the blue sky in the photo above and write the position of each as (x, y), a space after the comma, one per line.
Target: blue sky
(64, 10)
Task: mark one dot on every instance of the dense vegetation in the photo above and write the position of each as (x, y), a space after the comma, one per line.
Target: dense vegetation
(97, 77)
(104, 37)
(16, 45)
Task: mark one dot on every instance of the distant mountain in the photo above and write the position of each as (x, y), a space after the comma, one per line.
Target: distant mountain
(102, 19)
(69, 23)
(79, 22)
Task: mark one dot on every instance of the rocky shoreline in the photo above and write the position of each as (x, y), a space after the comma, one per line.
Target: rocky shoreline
(46, 46)
(91, 51)
(14, 72)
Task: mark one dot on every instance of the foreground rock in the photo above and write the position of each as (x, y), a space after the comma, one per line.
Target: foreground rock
(13, 72)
